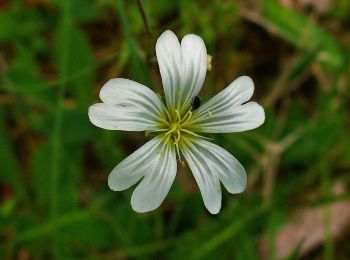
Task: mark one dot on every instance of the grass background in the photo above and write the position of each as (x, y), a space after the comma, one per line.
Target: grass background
(55, 56)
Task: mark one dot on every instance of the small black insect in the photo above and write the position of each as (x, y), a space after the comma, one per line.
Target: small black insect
(196, 102)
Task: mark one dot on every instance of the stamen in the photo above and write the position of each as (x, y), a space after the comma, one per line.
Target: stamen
(153, 132)
(196, 135)
(178, 151)
(157, 130)
(209, 64)
(188, 118)
(167, 113)
(178, 137)
(178, 116)
(170, 131)
(162, 120)
(188, 109)
(183, 163)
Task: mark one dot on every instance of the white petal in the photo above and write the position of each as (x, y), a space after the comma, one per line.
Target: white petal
(121, 118)
(182, 67)
(210, 163)
(156, 162)
(159, 177)
(133, 168)
(130, 94)
(227, 111)
(127, 106)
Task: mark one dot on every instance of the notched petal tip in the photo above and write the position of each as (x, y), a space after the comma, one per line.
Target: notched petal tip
(238, 188)
(258, 112)
(167, 36)
(193, 38)
(112, 184)
(90, 111)
(109, 87)
(93, 112)
(248, 81)
(214, 210)
(101, 115)
(140, 208)
(262, 114)
(245, 84)
(168, 32)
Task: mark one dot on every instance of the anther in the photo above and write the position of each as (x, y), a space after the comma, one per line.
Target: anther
(209, 62)
(183, 163)
(159, 95)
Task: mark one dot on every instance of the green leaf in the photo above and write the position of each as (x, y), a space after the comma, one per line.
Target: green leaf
(40, 168)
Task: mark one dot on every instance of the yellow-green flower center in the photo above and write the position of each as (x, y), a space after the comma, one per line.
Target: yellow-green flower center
(176, 126)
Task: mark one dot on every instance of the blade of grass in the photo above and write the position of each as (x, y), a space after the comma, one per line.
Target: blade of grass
(137, 65)
(144, 18)
(65, 30)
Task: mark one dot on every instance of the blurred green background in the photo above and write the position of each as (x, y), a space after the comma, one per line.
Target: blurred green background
(54, 201)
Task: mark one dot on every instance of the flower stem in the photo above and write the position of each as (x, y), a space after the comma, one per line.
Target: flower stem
(144, 18)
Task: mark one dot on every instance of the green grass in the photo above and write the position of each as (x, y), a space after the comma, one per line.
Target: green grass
(56, 55)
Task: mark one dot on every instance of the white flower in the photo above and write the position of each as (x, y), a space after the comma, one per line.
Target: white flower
(130, 106)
